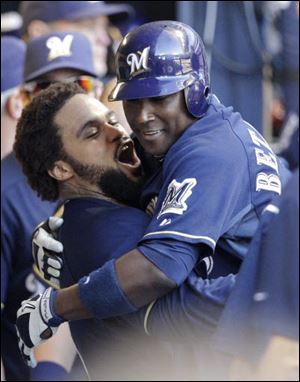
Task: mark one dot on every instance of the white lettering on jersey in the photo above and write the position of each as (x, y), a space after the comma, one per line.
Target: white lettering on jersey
(138, 64)
(269, 182)
(258, 140)
(165, 222)
(271, 208)
(266, 159)
(260, 296)
(177, 195)
(58, 47)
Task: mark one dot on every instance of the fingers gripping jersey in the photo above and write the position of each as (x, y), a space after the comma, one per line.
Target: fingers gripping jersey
(215, 181)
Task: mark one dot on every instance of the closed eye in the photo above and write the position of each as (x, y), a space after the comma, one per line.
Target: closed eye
(113, 122)
(112, 118)
(92, 133)
(158, 99)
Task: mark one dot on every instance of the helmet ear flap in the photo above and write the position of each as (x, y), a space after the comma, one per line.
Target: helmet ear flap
(196, 98)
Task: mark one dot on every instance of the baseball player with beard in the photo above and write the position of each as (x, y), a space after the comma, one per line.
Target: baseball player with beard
(217, 174)
(100, 190)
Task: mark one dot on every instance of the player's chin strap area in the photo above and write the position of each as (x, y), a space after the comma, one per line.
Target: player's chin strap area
(147, 314)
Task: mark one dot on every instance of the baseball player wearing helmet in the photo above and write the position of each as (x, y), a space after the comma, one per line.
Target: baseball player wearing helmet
(217, 175)
(98, 222)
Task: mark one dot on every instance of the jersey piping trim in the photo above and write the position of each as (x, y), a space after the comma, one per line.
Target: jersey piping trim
(182, 235)
(150, 306)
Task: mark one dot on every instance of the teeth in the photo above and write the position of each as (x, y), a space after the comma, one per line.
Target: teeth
(152, 132)
(124, 148)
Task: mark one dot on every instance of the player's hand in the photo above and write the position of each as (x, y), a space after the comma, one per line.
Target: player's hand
(36, 322)
(46, 251)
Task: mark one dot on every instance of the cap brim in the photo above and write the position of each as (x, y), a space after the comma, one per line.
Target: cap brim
(148, 87)
(58, 65)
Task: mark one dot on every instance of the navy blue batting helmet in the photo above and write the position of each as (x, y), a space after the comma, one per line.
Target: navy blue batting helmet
(162, 58)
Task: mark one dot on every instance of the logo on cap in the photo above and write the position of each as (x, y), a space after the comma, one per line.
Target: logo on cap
(58, 47)
(139, 63)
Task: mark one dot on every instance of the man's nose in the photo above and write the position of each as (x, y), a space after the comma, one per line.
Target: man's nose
(145, 112)
(102, 36)
(113, 132)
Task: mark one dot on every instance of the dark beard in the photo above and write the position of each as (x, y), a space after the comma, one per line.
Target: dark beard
(113, 183)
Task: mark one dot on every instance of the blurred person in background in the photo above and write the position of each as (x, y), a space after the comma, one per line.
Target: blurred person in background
(286, 76)
(260, 324)
(92, 18)
(96, 19)
(12, 62)
(12, 51)
(57, 57)
(51, 58)
(11, 23)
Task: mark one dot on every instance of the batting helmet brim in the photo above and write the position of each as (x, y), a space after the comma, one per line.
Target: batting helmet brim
(149, 87)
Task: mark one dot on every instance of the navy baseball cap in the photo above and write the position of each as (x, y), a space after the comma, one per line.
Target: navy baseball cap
(48, 11)
(12, 62)
(58, 50)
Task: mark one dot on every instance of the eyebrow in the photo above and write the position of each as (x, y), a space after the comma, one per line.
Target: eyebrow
(110, 114)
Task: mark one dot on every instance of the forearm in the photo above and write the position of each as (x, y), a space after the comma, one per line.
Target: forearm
(192, 310)
(115, 289)
(141, 281)
(59, 349)
(69, 305)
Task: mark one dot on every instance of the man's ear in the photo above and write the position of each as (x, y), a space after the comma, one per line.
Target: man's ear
(61, 171)
(37, 28)
(14, 106)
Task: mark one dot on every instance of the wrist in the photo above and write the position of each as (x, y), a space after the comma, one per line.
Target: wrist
(102, 295)
(48, 308)
(68, 305)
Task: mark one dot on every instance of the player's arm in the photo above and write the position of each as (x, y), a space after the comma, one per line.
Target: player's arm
(101, 294)
(117, 288)
(138, 282)
(191, 310)
(135, 279)
(56, 356)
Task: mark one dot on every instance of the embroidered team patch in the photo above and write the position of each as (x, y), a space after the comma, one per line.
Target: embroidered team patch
(177, 195)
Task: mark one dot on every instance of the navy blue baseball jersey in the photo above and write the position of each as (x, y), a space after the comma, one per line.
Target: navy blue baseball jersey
(96, 231)
(265, 300)
(21, 211)
(214, 183)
